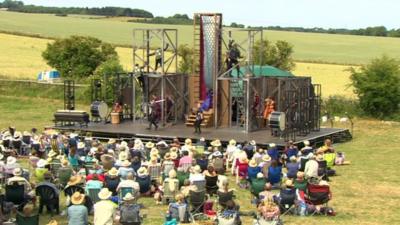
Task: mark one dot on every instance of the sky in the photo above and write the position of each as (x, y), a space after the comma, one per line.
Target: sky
(349, 14)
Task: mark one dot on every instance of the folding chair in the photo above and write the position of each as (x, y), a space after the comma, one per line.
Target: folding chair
(286, 201)
(70, 190)
(27, 220)
(197, 199)
(211, 184)
(123, 191)
(318, 194)
(155, 172)
(224, 197)
(168, 194)
(48, 198)
(179, 212)
(218, 164)
(15, 193)
(93, 194)
(200, 184)
(323, 170)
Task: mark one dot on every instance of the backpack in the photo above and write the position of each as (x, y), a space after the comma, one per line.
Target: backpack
(130, 214)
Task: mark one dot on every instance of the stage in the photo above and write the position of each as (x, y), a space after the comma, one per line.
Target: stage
(128, 129)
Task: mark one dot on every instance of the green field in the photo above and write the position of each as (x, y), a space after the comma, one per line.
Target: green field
(366, 192)
(20, 58)
(342, 49)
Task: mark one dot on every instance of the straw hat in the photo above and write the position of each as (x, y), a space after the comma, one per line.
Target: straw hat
(122, 156)
(174, 155)
(111, 141)
(128, 197)
(113, 172)
(188, 141)
(232, 142)
(289, 183)
(11, 160)
(123, 144)
(253, 163)
(216, 143)
(138, 141)
(323, 183)
(74, 180)
(104, 194)
(52, 154)
(81, 145)
(17, 172)
(154, 151)
(167, 156)
(26, 133)
(41, 163)
(77, 198)
(142, 171)
(243, 159)
(172, 174)
(197, 169)
(126, 163)
(272, 145)
(253, 142)
(260, 175)
(173, 149)
(149, 144)
(64, 163)
(306, 143)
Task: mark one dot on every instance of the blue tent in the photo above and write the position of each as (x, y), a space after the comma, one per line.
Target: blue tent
(48, 76)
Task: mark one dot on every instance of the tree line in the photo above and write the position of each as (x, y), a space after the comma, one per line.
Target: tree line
(177, 19)
(379, 31)
(19, 6)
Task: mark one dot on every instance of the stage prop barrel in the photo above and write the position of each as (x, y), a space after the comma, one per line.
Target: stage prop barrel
(278, 120)
(99, 109)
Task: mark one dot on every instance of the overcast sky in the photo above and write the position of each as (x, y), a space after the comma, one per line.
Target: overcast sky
(305, 13)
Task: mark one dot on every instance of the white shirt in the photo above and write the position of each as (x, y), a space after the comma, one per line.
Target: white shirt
(311, 169)
(128, 184)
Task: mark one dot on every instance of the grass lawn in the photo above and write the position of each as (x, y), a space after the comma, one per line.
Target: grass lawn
(366, 192)
(343, 49)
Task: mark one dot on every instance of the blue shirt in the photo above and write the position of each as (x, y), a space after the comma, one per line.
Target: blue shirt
(252, 172)
(93, 184)
(77, 215)
(274, 174)
(273, 153)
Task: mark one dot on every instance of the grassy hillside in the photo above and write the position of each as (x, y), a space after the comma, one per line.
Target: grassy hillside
(20, 58)
(343, 49)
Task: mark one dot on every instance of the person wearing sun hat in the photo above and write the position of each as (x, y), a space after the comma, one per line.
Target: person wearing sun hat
(129, 211)
(311, 167)
(187, 147)
(77, 212)
(11, 164)
(167, 164)
(122, 156)
(41, 170)
(307, 148)
(287, 194)
(292, 167)
(125, 169)
(112, 180)
(105, 209)
(144, 181)
(258, 184)
(196, 174)
(129, 182)
(18, 178)
(253, 170)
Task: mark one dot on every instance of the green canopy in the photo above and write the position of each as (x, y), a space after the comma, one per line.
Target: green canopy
(264, 71)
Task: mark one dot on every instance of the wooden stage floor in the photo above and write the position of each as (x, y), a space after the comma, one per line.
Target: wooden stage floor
(128, 129)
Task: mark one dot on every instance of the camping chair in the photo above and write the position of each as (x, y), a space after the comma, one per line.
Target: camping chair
(93, 194)
(318, 194)
(123, 191)
(211, 184)
(155, 172)
(323, 170)
(286, 202)
(168, 193)
(197, 200)
(180, 212)
(224, 197)
(229, 217)
(64, 174)
(303, 162)
(54, 168)
(200, 185)
(70, 190)
(26, 144)
(48, 198)
(15, 193)
(27, 220)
